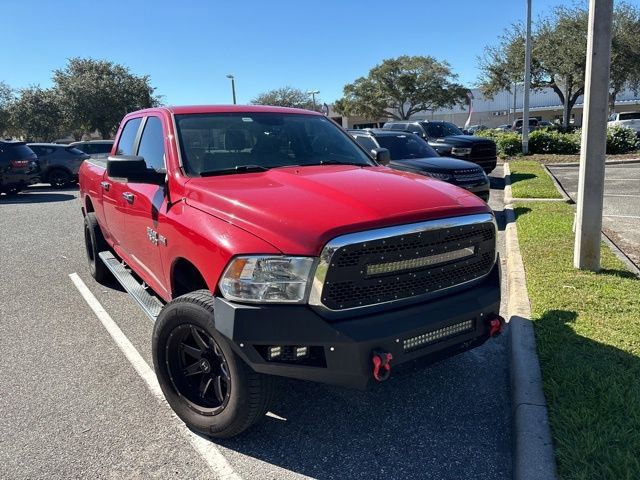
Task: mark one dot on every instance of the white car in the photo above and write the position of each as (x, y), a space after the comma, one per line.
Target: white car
(626, 119)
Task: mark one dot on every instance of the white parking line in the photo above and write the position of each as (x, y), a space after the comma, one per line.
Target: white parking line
(620, 195)
(219, 465)
(622, 216)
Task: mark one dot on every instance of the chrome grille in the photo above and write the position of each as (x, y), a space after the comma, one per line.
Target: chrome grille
(469, 175)
(401, 263)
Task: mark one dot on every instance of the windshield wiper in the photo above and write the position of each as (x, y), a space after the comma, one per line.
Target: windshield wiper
(335, 162)
(237, 169)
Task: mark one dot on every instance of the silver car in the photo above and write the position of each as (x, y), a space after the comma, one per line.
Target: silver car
(59, 164)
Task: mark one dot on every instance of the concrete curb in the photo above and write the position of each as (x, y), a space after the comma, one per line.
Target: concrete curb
(611, 162)
(555, 181)
(533, 457)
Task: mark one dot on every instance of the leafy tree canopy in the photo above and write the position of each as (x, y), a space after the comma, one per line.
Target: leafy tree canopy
(96, 94)
(558, 57)
(400, 87)
(286, 97)
(6, 95)
(36, 114)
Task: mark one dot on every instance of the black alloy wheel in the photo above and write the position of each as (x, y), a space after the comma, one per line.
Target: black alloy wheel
(198, 369)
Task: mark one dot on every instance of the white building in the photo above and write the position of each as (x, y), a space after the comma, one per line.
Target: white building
(544, 104)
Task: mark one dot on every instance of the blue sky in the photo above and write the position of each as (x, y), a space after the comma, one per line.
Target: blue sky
(188, 46)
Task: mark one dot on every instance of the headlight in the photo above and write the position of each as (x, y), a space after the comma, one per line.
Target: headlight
(439, 176)
(460, 151)
(267, 279)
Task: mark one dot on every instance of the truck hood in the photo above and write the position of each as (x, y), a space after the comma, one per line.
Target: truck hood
(299, 209)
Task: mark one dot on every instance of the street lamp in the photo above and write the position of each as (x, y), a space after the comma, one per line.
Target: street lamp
(313, 94)
(233, 87)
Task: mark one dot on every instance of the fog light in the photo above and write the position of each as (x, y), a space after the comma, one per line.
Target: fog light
(302, 352)
(274, 352)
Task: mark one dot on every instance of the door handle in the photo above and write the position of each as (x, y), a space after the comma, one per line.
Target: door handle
(105, 185)
(128, 196)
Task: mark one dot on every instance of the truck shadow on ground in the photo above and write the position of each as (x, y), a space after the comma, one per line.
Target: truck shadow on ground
(36, 197)
(448, 420)
(592, 390)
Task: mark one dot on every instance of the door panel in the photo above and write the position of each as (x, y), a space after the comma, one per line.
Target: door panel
(146, 205)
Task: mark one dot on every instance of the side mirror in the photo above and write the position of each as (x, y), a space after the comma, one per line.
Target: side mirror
(381, 155)
(132, 168)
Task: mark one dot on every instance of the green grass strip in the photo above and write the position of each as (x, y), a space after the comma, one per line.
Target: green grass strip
(530, 180)
(587, 328)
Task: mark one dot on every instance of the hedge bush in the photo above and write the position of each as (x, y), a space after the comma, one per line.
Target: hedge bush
(550, 141)
(621, 139)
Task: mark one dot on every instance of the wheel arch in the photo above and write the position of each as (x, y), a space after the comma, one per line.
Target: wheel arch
(57, 167)
(185, 277)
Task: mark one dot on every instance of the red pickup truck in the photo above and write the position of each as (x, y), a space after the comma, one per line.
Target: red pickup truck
(265, 241)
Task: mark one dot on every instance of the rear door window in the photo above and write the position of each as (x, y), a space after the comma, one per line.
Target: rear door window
(126, 143)
(365, 142)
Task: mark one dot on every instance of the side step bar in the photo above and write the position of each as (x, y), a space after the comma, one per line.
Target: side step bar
(149, 303)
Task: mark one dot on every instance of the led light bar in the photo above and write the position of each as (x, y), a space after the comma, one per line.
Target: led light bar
(440, 334)
(413, 263)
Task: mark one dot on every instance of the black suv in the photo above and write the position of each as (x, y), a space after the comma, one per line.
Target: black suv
(18, 167)
(449, 140)
(411, 153)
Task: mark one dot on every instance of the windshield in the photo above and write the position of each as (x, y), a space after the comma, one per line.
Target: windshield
(441, 129)
(219, 142)
(630, 116)
(402, 147)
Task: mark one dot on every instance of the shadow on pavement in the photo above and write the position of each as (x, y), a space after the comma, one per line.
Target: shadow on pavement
(445, 421)
(44, 197)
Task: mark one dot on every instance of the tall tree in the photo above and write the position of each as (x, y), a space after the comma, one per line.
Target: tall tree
(625, 51)
(36, 114)
(98, 93)
(6, 96)
(400, 87)
(559, 55)
(286, 97)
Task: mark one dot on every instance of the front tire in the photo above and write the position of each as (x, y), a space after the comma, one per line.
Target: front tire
(204, 381)
(59, 178)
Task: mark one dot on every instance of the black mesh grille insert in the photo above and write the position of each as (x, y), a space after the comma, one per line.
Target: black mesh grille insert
(348, 285)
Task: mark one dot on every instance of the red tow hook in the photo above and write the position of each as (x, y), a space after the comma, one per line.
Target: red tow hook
(381, 365)
(495, 326)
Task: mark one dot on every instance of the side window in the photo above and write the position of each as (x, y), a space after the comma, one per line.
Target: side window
(412, 127)
(152, 144)
(366, 143)
(128, 137)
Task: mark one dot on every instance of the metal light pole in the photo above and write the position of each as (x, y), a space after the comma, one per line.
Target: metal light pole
(527, 84)
(313, 94)
(586, 253)
(233, 87)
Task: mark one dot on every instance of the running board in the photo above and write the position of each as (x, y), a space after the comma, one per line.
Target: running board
(149, 303)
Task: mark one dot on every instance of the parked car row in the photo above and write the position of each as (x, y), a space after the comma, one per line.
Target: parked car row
(410, 153)
(23, 164)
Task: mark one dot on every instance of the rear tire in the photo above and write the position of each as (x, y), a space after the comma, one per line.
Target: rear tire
(59, 178)
(186, 366)
(95, 243)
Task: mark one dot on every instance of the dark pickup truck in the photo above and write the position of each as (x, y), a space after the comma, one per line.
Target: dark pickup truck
(449, 141)
(265, 241)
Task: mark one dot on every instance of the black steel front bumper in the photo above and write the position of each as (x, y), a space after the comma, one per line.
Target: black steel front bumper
(344, 348)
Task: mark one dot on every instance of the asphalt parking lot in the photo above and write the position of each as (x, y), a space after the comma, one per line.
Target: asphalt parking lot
(73, 405)
(621, 210)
